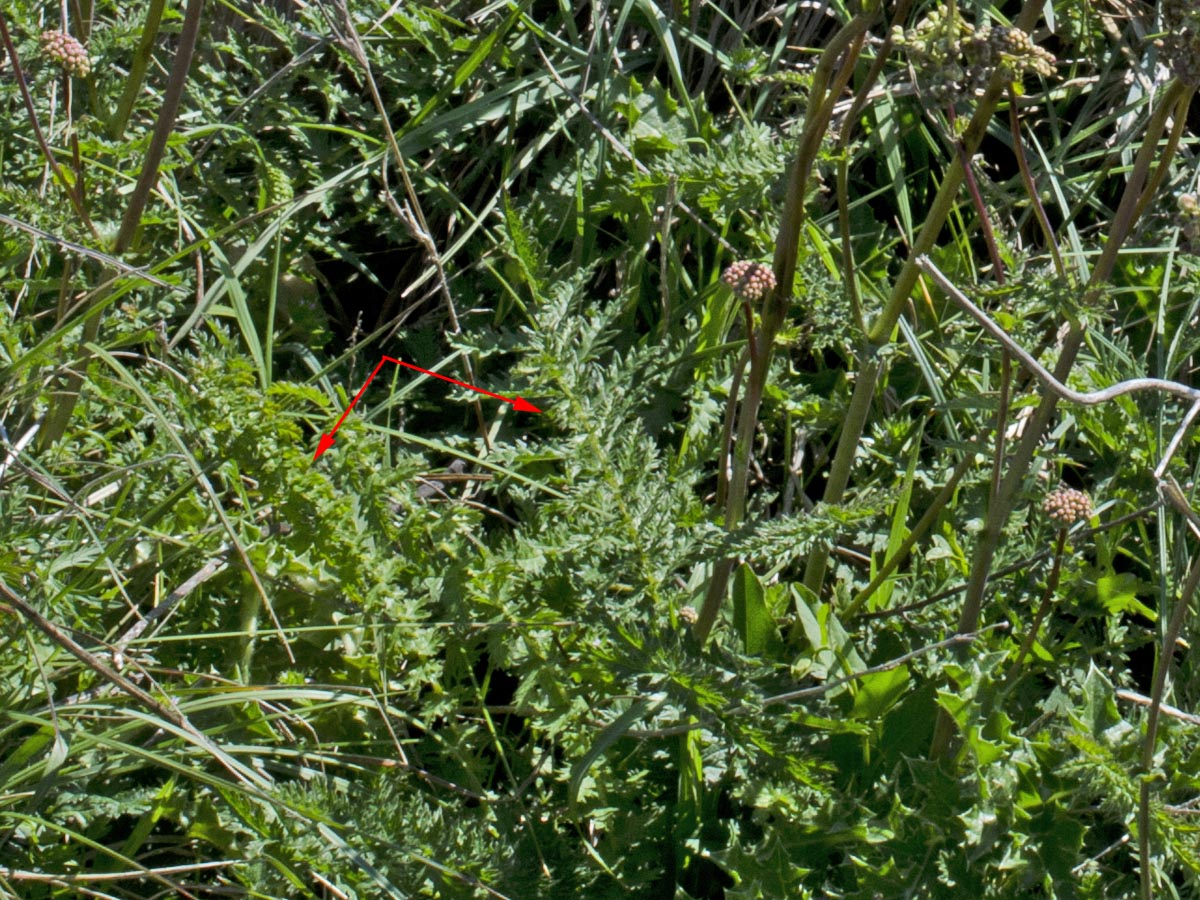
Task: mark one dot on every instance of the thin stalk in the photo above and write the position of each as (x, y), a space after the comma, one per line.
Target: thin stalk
(137, 69)
(1044, 607)
(735, 504)
(843, 200)
(735, 500)
(787, 245)
(989, 238)
(1175, 102)
(735, 389)
(163, 126)
(1183, 101)
(1035, 202)
(853, 295)
(985, 222)
(899, 14)
(1001, 425)
(43, 144)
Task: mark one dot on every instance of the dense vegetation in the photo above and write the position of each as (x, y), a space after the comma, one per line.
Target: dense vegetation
(803, 583)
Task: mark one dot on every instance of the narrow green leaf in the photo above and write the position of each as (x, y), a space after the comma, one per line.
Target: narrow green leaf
(609, 736)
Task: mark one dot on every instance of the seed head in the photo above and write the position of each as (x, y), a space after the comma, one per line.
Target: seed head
(1010, 49)
(954, 60)
(67, 52)
(277, 187)
(1181, 42)
(1187, 220)
(1066, 506)
(934, 47)
(749, 280)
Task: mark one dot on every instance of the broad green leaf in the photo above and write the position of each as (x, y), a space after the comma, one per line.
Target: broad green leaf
(1119, 594)
(878, 691)
(751, 618)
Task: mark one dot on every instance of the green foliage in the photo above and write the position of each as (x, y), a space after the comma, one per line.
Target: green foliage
(452, 657)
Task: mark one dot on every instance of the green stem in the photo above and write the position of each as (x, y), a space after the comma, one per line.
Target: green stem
(47, 153)
(843, 200)
(1039, 212)
(787, 245)
(918, 531)
(981, 211)
(735, 504)
(137, 69)
(163, 127)
(1044, 607)
(1001, 425)
(735, 389)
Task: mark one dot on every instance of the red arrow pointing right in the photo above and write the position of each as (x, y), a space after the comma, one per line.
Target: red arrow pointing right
(518, 403)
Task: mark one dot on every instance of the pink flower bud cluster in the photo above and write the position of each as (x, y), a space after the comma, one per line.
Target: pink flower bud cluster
(749, 280)
(1066, 506)
(67, 52)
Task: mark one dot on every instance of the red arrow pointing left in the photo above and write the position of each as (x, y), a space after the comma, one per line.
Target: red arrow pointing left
(518, 403)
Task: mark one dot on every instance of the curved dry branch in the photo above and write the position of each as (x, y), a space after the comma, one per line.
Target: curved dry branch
(1052, 384)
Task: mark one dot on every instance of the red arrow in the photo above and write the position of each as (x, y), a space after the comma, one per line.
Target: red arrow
(518, 403)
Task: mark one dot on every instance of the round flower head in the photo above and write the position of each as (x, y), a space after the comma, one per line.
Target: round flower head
(749, 280)
(67, 52)
(1066, 506)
